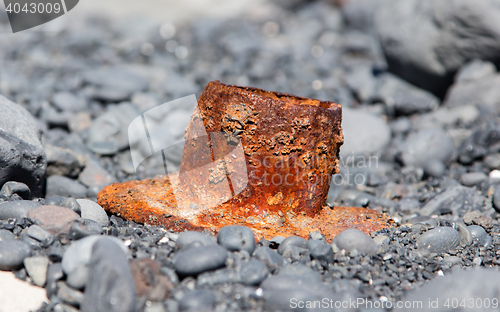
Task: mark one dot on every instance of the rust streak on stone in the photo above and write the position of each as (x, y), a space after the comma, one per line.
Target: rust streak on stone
(276, 183)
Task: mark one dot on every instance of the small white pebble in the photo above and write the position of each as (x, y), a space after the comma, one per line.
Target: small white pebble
(163, 240)
(259, 292)
(440, 273)
(128, 242)
(317, 85)
(495, 174)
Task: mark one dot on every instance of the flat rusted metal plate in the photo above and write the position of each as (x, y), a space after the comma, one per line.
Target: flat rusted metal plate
(252, 157)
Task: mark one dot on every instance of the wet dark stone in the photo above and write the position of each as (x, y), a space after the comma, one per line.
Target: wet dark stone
(110, 286)
(236, 238)
(196, 260)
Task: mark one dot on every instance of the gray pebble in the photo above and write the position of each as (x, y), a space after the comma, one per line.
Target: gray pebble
(110, 286)
(198, 300)
(353, 239)
(253, 272)
(84, 228)
(6, 235)
(54, 274)
(295, 253)
(312, 243)
(425, 145)
(236, 238)
(440, 239)
(77, 257)
(485, 241)
(496, 198)
(473, 178)
(63, 161)
(64, 186)
(434, 168)
(38, 233)
(68, 101)
(189, 237)
(194, 261)
(323, 252)
(16, 209)
(12, 254)
(296, 241)
(268, 256)
(95, 177)
(92, 211)
(11, 187)
(476, 231)
(21, 151)
(36, 267)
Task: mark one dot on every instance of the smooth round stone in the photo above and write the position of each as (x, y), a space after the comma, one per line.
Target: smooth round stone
(189, 237)
(312, 243)
(12, 254)
(88, 227)
(194, 261)
(352, 239)
(198, 300)
(253, 272)
(496, 198)
(434, 168)
(104, 147)
(93, 211)
(323, 252)
(236, 238)
(38, 233)
(296, 241)
(268, 256)
(78, 255)
(64, 186)
(62, 201)
(12, 187)
(37, 267)
(110, 285)
(473, 178)
(476, 231)
(17, 209)
(485, 241)
(440, 239)
(6, 236)
(465, 236)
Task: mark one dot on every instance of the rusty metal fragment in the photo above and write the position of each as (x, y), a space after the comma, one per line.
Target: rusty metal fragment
(252, 157)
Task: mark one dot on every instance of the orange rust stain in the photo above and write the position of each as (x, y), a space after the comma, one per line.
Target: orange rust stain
(290, 149)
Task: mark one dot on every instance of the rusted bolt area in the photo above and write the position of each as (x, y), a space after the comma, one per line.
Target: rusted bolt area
(252, 157)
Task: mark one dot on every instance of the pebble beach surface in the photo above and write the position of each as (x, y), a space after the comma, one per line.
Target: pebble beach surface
(422, 144)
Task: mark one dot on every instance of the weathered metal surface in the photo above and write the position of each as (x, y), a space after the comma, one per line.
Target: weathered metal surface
(252, 157)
